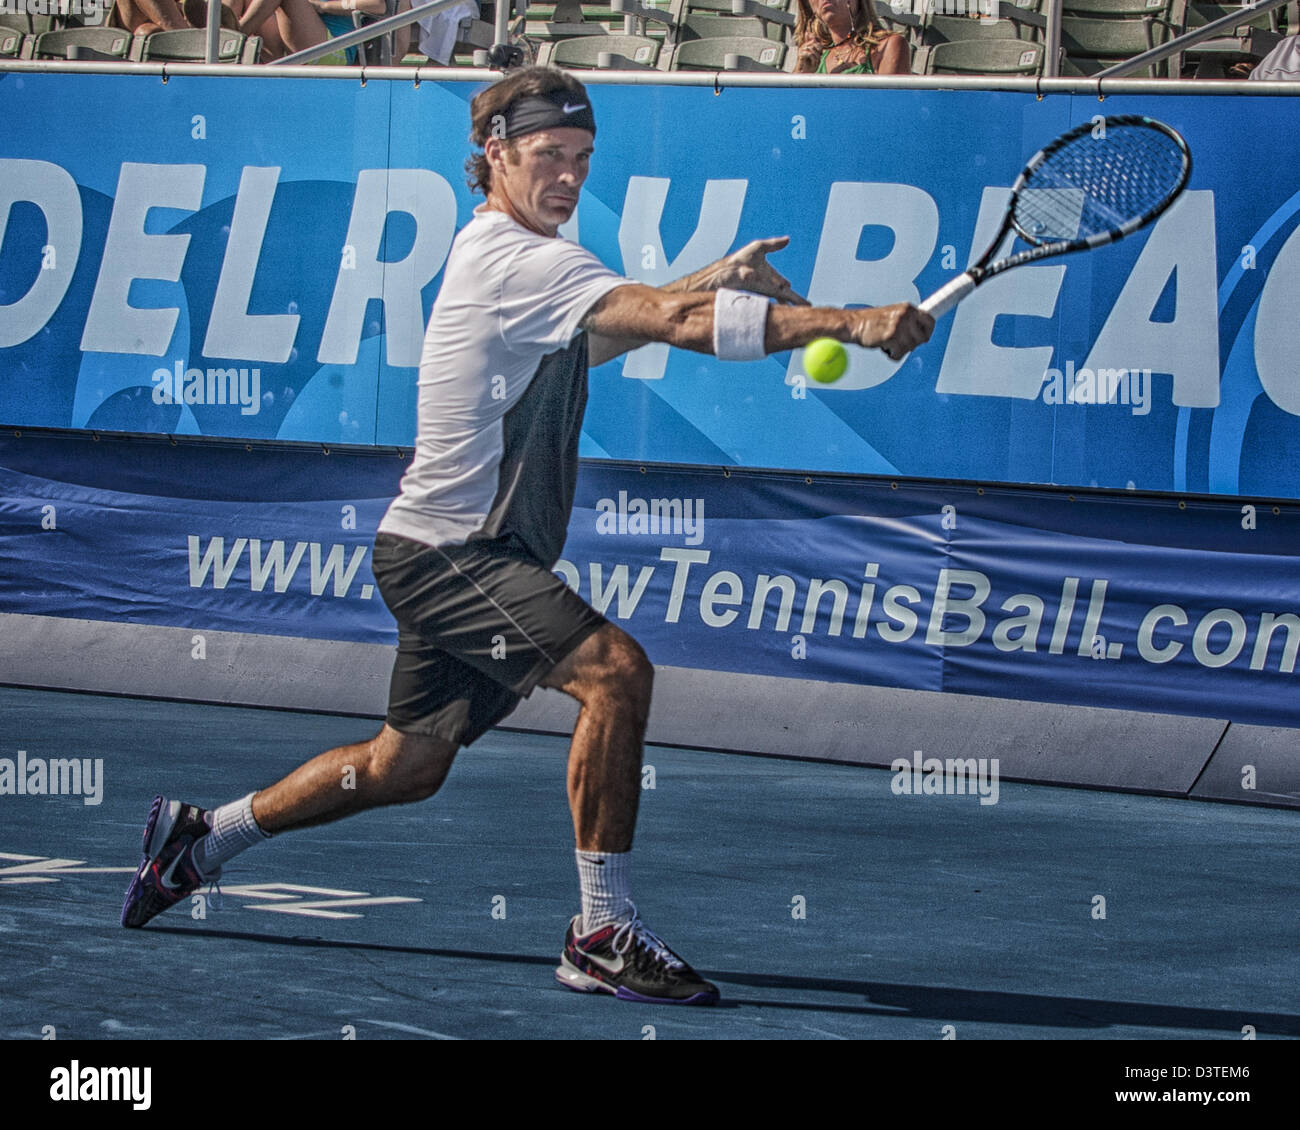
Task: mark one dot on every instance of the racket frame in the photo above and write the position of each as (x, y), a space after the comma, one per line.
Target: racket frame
(947, 296)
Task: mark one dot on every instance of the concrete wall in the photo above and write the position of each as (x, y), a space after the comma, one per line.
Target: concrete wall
(1167, 754)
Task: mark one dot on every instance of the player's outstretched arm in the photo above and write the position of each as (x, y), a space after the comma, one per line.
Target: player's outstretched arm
(645, 313)
(746, 269)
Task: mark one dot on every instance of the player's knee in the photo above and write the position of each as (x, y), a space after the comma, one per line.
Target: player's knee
(411, 767)
(627, 675)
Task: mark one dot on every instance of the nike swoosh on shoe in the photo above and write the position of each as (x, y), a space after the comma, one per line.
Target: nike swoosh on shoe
(165, 877)
(607, 966)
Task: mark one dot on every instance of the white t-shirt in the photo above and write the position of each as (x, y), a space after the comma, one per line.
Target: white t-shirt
(488, 461)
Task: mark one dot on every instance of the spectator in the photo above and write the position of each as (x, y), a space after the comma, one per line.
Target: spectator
(287, 26)
(435, 35)
(1283, 62)
(844, 37)
(144, 17)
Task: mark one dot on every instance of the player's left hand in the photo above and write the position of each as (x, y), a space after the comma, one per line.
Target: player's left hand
(748, 269)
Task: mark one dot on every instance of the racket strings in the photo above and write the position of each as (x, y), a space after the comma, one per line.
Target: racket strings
(1097, 184)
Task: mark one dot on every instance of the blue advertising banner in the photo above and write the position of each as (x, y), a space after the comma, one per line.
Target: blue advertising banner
(1122, 601)
(256, 257)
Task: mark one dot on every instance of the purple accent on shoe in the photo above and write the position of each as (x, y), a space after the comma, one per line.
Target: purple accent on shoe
(624, 994)
(150, 824)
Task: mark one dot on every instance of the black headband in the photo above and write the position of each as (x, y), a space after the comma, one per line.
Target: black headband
(560, 108)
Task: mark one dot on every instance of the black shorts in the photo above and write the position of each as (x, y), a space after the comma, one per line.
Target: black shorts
(478, 627)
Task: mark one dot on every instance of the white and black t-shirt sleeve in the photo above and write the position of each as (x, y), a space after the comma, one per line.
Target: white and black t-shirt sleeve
(547, 292)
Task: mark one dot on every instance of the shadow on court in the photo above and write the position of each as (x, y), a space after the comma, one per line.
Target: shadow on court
(824, 905)
(917, 1001)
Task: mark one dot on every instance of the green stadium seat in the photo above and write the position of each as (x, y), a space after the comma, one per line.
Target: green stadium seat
(982, 57)
(1096, 34)
(746, 53)
(12, 42)
(603, 52)
(189, 45)
(105, 44)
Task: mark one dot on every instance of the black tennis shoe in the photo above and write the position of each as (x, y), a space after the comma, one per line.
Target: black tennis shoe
(167, 873)
(628, 961)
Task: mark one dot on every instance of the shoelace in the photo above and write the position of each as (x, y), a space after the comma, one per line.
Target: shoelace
(636, 930)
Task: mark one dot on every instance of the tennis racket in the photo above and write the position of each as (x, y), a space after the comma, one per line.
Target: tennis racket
(1093, 185)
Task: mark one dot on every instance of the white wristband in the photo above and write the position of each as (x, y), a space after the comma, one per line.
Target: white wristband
(739, 325)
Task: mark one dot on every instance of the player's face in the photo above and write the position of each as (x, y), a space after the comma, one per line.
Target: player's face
(539, 184)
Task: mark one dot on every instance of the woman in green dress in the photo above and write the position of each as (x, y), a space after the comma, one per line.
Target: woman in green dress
(844, 37)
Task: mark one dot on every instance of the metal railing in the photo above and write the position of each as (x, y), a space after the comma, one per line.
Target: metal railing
(1052, 39)
(372, 31)
(1189, 39)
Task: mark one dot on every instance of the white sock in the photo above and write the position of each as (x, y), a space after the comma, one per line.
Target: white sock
(233, 830)
(604, 879)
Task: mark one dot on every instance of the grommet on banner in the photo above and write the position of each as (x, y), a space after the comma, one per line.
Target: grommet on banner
(1276, 509)
(1182, 505)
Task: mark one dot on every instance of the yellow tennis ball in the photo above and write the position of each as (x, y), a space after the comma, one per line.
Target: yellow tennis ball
(825, 360)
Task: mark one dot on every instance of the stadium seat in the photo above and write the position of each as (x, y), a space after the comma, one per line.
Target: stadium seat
(11, 42)
(604, 52)
(567, 20)
(189, 45)
(739, 52)
(1250, 40)
(685, 20)
(105, 44)
(1003, 21)
(982, 57)
(1096, 34)
(714, 19)
(25, 23)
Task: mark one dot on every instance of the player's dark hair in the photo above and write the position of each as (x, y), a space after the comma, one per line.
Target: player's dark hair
(488, 110)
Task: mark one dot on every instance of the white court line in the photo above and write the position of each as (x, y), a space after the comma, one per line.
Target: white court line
(410, 1028)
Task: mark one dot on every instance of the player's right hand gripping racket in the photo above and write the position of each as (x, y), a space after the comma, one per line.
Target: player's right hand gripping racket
(1091, 186)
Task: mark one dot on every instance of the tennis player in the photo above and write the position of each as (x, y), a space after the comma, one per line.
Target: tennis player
(463, 556)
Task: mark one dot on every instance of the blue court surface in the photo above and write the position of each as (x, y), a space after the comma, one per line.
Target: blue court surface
(823, 905)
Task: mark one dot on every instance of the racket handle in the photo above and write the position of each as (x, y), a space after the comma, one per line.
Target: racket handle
(946, 297)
